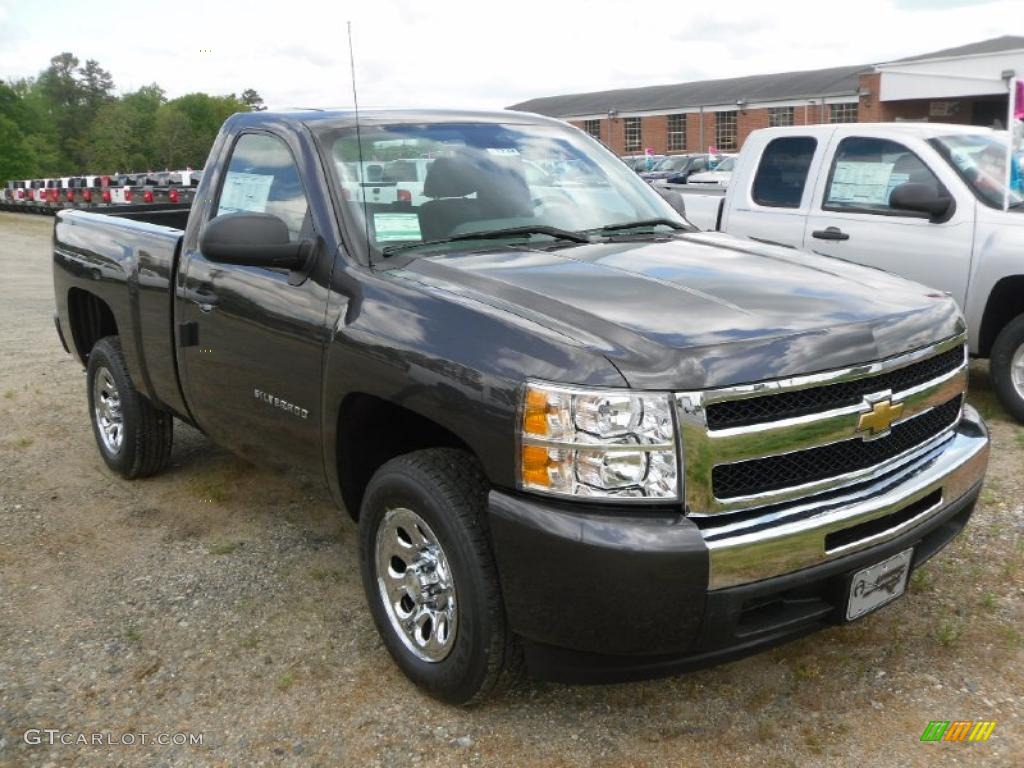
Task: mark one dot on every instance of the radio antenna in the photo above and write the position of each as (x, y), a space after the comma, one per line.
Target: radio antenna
(359, 144)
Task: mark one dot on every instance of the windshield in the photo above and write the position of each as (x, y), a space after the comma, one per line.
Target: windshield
(412, 183)
(980, 159)
(726, 165)
(672, 163)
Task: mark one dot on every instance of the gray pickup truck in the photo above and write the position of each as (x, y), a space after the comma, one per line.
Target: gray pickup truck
(573, 431)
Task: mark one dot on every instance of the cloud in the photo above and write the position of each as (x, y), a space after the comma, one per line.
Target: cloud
(456, 53)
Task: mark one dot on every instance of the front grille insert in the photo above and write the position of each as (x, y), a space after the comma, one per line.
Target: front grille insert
(756, 410)
(772, 473)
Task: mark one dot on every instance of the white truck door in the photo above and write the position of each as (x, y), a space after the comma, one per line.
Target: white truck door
(851, 217)
(770, 197)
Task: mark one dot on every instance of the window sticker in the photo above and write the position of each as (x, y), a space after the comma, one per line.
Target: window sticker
(245, 192)
(503, 151)
(895, 179)
(861, 183)
(396, 226)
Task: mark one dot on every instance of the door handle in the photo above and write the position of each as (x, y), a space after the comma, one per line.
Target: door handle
(202, 296)
(830, 233)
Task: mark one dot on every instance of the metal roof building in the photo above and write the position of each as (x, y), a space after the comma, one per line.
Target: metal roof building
(837, 81)
(963, 84)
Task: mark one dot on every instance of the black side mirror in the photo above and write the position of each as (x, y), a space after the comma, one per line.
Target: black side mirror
(674, 199)
(921, 198)
(252, 240)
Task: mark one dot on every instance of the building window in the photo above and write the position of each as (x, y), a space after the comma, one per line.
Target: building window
(842, 113)
(676, 133)
(593, 127)
(631, 128)
(725, 131)
(779, 116)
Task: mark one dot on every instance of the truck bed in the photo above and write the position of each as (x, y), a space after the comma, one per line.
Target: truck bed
(703, 205)
(101, 253)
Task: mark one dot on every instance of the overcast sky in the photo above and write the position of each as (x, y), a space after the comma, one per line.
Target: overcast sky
(455, 53)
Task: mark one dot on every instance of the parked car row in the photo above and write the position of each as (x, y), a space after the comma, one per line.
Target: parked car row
(643, 163)
(149, 188)
(678, 169)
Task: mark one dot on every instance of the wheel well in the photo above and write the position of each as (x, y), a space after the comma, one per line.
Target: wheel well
(90, 319)
(1004, 303)
(372, 431)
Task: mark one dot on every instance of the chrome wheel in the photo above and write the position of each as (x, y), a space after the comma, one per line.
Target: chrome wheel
(106, 401)
(416, 584)
(1017, 371)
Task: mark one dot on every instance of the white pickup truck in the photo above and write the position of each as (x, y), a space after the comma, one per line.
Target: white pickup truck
(922, 200)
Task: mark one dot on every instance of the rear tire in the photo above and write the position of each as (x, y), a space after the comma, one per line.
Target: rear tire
(133, 436)
(1007, 367)
(423, 519)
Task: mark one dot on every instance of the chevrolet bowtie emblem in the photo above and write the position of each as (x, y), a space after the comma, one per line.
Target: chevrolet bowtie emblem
(879, 419)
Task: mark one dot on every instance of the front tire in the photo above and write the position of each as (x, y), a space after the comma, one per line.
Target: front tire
(429, 575)
(1007, 367)
(134, 437)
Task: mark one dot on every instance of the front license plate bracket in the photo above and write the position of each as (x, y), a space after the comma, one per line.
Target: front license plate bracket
(878, 584)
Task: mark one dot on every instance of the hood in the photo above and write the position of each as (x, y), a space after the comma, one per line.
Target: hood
(707, 176)
(704, 309)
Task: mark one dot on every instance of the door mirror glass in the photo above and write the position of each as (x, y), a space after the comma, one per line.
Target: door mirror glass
(252, 240)
(920, 198)
(673, 198)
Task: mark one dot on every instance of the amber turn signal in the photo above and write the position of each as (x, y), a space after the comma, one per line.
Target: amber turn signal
(535, 465)
(535, 412)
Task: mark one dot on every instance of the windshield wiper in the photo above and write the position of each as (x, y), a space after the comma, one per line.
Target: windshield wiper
(493, 234)
(642, 224)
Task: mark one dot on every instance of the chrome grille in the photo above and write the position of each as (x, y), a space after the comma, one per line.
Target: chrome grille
(753, 410)
(769, 474)
(789, 439)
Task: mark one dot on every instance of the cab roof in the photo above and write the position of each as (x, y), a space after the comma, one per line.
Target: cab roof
(919, 130)
(341, 118)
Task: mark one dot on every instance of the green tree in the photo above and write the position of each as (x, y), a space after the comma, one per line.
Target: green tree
(68, 120)
(123, 135)
(174, 137)
(95, 83)
(204, 115)
(61, 100)
(17, 161)
(253, 100)
(22, 105)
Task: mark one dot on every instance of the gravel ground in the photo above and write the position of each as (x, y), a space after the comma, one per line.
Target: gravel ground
(223, 599)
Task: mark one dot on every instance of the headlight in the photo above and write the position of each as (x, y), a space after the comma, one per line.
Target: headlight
(614, 444)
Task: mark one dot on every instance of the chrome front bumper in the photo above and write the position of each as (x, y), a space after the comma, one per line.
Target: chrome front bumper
(788, 537)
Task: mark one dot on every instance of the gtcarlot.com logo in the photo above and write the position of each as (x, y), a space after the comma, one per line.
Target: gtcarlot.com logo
(54, 736)
(958, 730)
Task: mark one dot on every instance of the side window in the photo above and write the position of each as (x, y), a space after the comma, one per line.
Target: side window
(866, 170)
(262, 178)
(782, 172)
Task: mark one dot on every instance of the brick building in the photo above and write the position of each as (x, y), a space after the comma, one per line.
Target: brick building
(955, 85)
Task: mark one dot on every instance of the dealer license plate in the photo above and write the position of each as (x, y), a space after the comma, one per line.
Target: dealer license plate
(878, 584)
